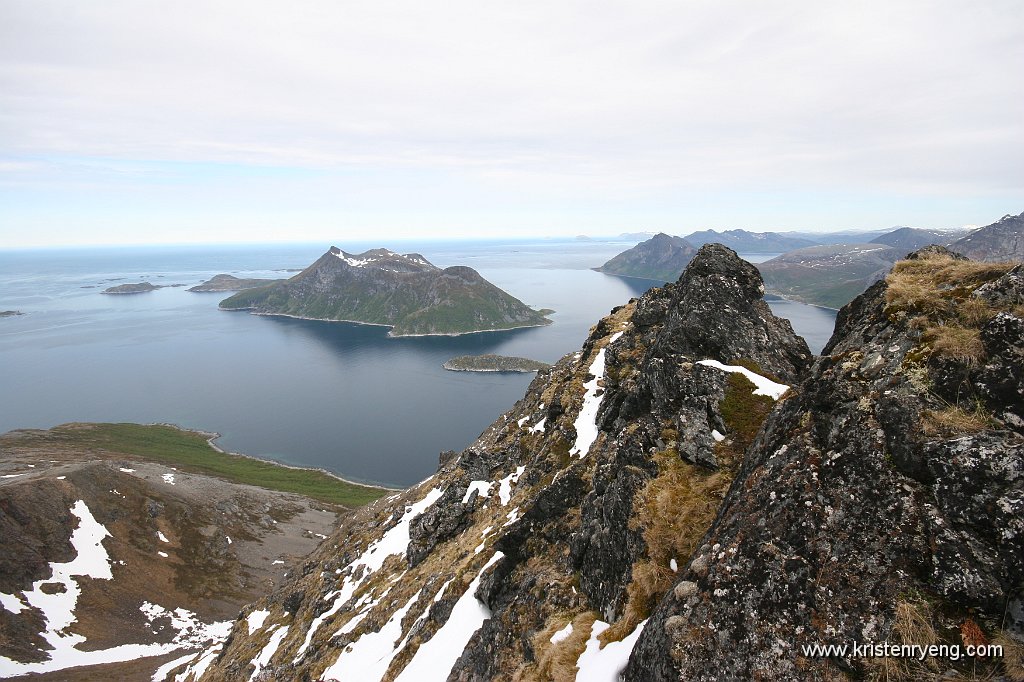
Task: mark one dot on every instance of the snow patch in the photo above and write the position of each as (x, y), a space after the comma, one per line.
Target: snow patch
(717, 436)
(586, 420)
(127, 470)
(370, 656)
(765, 386)
(256, 619)
(483, 488)
(562, 634)
(505, 485)
(606, 665)
(168, 478)
(268, 652)
(538, 427)
(162, 537)
(436, 657)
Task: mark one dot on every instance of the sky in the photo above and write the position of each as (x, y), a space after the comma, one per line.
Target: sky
(153, 121)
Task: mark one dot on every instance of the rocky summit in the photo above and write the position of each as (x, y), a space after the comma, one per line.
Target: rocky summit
(401, 291)
(1002, 240)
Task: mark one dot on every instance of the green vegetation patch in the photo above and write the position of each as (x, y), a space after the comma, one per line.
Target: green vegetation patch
(190, 451)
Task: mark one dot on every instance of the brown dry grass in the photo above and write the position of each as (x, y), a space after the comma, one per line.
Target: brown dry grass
(675, 509)
(557, 662)
(1013, 657)
(954, 341)
(912, 624)
(955, 421)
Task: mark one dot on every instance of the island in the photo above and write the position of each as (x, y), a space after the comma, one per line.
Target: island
(10, 313)
(222, 282)
(137, 288)
(401, 291)
(493, 363)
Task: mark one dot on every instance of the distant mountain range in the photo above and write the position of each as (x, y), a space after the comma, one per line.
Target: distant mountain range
(821, 269)
(402, 291)
(742, 241)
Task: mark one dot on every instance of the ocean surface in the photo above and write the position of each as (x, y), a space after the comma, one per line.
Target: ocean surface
(339, 396)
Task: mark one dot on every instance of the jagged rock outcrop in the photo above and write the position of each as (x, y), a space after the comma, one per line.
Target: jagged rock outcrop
(573, 509)
(883, 501)
(401, 291)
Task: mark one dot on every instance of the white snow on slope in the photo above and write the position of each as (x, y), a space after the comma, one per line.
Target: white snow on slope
(586, 420)
(765, 386)
(91, 560)
(505, 485)
(369, 657)
(562, 634)
(161, 673)
(483, 488)
(538, 427)
(263, 658)
(394, 541)
(168, 478)
(605, 665)
(162, 537)
(256, 619)
(436, 657)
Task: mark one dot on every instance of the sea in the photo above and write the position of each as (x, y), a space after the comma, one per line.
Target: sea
(339, 396)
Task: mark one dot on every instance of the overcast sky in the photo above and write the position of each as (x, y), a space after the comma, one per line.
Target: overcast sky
(159, 121)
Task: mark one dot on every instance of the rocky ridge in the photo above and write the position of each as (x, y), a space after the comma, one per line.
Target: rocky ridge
(401, 291)
(557, 525)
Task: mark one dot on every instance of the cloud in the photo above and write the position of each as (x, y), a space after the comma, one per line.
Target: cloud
(580, 98)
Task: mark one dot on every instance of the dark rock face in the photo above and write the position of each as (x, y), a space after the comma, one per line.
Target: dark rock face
(1002, 240)
(845, 509)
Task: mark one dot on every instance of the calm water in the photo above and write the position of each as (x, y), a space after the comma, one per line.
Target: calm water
(334, 395)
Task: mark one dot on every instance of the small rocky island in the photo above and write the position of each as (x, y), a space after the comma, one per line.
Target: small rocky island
(136, 288)
(224, 282)
(493, 363)
(10, 313)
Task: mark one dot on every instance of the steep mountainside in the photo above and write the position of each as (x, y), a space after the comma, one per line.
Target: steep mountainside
(108, 559)
(750, 242)
(830, 275)
(909, 239)
(661, 258)
(1003, 240)
(404, 292)
(563, 525)
(882, 502)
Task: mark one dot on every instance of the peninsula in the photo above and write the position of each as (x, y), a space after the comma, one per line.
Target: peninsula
(401, 291)
(222, 282)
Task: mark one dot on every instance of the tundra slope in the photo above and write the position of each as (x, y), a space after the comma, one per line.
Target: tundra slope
(563, 523)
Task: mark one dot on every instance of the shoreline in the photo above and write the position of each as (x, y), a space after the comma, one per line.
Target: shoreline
(211, 436)
(390, 335)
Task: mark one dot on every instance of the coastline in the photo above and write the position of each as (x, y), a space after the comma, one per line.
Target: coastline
(390, 334)
(211, 436)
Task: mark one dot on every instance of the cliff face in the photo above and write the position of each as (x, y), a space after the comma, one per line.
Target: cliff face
(873, 506)
(564, 522)
(402, 291)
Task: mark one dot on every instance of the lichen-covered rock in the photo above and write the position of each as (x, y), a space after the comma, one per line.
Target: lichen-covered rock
(865, 496)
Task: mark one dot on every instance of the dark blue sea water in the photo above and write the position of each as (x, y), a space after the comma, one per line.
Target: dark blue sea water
(334, 395)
